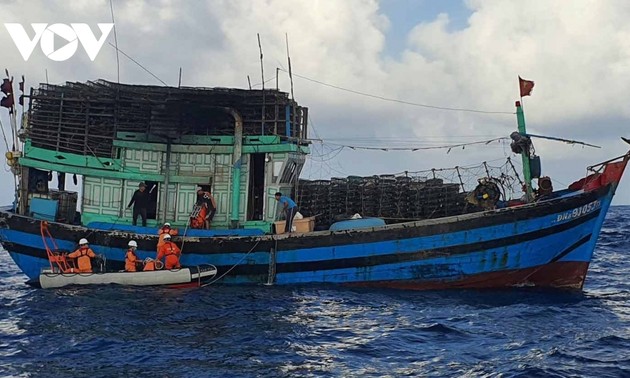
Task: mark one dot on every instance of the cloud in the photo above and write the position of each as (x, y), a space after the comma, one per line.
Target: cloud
(577, 52)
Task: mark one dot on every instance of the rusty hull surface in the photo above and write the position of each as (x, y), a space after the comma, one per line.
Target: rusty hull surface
(562, 275)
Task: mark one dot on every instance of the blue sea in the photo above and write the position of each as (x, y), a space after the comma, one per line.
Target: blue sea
(323, 331)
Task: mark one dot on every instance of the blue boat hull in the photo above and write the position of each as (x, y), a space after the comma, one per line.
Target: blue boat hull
(547, 244)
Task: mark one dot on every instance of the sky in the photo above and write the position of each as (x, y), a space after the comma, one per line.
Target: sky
(365, 67)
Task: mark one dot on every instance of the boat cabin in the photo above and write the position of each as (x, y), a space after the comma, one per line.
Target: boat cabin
(243, 146)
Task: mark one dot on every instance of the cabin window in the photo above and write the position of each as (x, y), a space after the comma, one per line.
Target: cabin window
(205, 187)
(288, 176)
(277, 168)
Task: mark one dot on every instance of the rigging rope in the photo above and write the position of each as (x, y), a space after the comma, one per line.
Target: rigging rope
(449, 147)
(397, 100)
(233, 266)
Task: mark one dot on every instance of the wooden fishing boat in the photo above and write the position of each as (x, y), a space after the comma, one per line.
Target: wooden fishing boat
(245, 145)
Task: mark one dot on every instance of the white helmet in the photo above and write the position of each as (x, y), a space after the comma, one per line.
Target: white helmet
(167, 224)
(132, 243)
(83, 241)
(167, 237)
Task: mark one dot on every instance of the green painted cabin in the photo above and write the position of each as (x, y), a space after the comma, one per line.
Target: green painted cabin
(243, 145)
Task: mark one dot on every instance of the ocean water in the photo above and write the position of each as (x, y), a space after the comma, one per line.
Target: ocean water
(323, 331)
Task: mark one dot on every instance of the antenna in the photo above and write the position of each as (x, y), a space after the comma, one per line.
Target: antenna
(249, 82)
(293, 115)
(262, 73)
(286, 35)
(293, 112)
(179, 83)
(111, 7)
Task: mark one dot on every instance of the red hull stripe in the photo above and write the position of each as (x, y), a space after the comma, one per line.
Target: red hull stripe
(568, 275)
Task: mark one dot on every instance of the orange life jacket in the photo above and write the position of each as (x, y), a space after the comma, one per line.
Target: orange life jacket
(198, 218)
(171, 252)
(162, 232)
(131, 260)
(83, 256)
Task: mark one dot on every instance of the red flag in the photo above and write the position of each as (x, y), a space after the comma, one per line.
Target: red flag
(526, 87)
(6, 87)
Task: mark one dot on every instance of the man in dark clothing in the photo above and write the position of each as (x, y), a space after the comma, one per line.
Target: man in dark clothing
(140, 202)
(205, 199)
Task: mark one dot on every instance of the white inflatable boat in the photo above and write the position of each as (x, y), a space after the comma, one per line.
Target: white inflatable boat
(184, 277)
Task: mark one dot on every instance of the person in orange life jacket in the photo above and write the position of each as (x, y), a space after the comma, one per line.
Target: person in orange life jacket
(206, 200)
(171, 252)
(162, 232)
(131, 259)
(289, 208)
(198, 216)
(83, 256)
(140, 202)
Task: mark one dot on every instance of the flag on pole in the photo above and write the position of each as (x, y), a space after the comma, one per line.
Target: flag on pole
(7, 89)
(526, 86)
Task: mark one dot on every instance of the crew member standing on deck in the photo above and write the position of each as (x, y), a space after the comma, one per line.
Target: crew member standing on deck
(140, 202)
(83, 257)
(289, 208)
(206, 201)
(171, 252)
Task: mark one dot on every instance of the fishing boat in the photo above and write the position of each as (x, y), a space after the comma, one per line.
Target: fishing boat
(246, 145)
